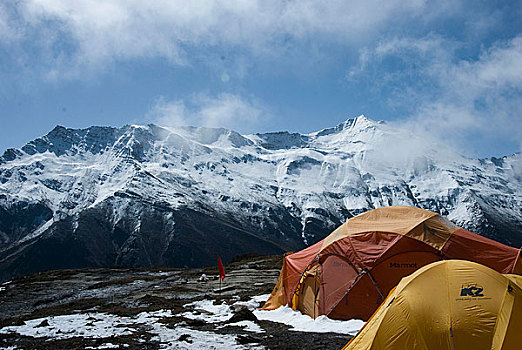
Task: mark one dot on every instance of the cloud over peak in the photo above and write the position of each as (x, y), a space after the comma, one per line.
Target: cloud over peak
(449, 97)
(222, 111)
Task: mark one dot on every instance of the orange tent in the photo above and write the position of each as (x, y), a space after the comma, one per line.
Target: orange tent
(350, 272)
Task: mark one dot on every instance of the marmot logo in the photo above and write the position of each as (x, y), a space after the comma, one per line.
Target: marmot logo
(403, 265)
(471, 290)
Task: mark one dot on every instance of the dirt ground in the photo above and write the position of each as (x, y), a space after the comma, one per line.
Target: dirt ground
(129, 292)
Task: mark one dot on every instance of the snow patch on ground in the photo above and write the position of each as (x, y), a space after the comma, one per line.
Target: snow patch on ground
(164, 273)
(169, 339)
(261, 298)
(248, 326)
(107, 346)
(101, 325)
(90, 325)
(304, 323)
(38, 231)
(253, 303)
(206, 310)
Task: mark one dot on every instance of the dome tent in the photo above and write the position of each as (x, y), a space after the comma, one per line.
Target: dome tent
(447, 305)
(349, 273)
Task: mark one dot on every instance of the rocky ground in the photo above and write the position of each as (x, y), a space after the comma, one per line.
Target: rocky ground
(151, 309)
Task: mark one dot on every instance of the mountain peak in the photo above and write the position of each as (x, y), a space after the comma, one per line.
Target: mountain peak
(363, 118)
(61, 140)
(359, 122)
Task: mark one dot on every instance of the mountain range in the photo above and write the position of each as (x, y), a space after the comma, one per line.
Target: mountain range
(141, 196)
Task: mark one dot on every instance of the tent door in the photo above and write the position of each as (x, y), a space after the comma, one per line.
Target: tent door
(308, 301)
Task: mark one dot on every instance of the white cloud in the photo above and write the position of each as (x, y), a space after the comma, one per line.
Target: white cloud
(499, 68)
(451, 98)
(483, 96)
(9, 29)
(85, 34)
(223, 111)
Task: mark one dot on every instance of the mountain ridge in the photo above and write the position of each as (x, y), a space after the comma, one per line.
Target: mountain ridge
(264, 193)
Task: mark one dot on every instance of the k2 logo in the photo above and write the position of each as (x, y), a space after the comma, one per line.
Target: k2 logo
(471, 290)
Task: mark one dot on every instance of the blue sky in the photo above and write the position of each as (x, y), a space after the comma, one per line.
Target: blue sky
(452, 69)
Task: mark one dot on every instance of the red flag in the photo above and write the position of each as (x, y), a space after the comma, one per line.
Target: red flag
(221, 269)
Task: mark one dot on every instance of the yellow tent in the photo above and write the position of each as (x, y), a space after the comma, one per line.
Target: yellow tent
(448, 305)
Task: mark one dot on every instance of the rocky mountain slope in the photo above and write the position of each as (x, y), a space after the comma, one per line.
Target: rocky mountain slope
(158, 196)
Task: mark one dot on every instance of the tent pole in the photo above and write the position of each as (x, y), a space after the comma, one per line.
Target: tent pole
(451, 338)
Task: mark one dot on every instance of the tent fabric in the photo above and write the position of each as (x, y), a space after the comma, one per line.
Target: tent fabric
(469, 246)
(453, 304)
(405, 221)
(357, 265)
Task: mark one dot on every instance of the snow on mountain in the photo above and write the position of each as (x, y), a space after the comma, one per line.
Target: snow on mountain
(150, 195)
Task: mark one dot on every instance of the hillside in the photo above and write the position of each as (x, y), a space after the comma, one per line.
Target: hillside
(142, 196)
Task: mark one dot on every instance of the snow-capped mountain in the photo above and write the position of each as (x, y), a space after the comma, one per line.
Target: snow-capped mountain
(150, 195)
